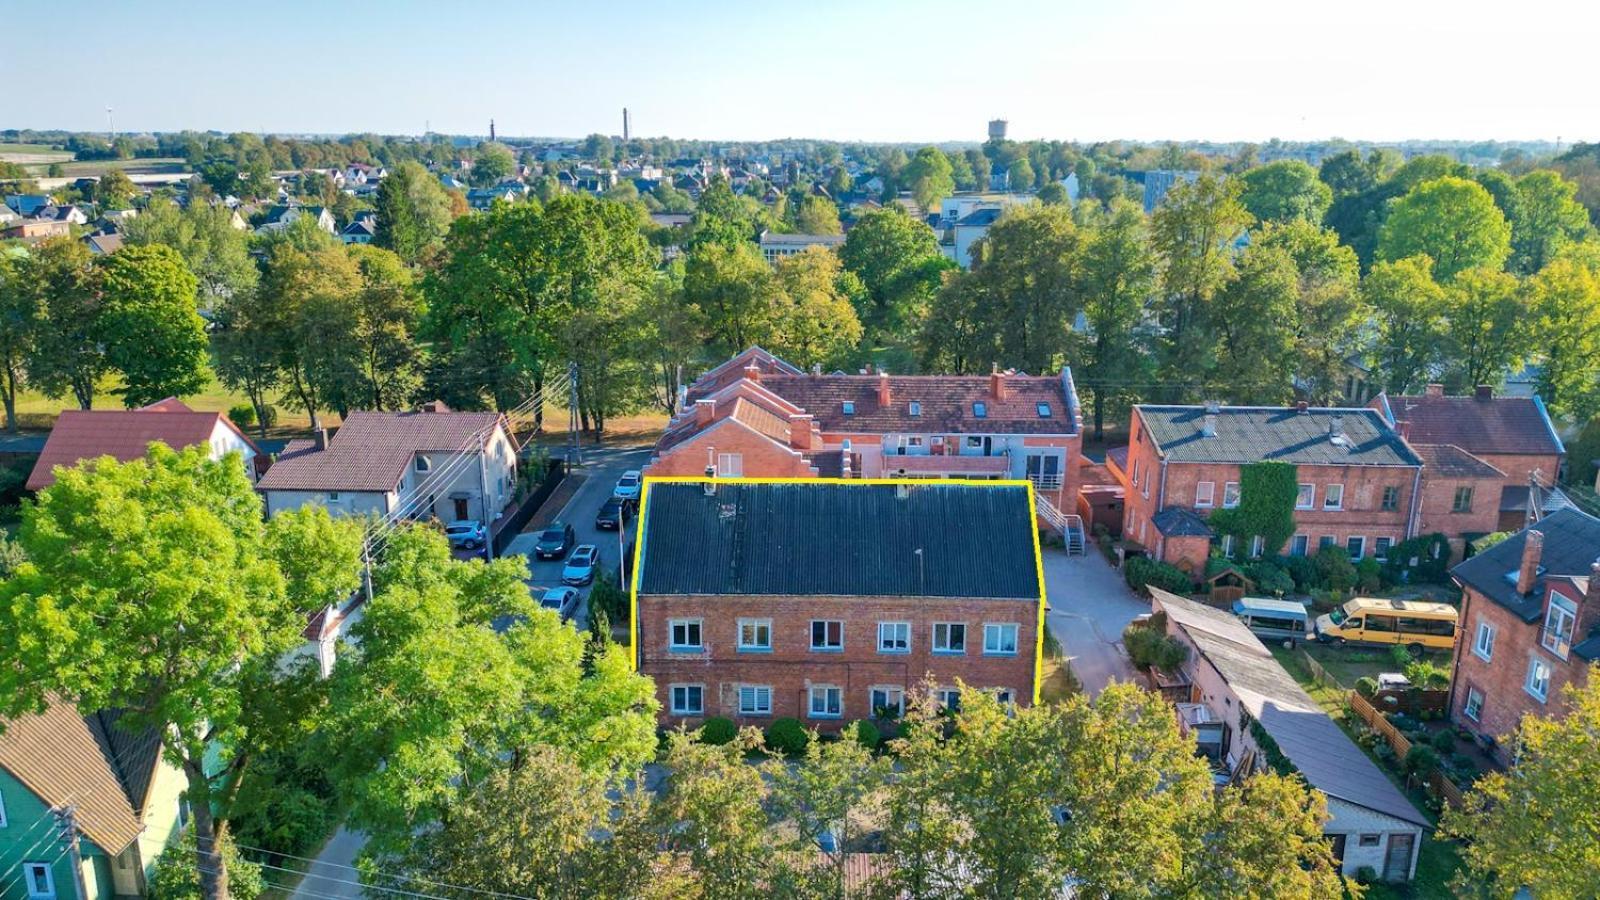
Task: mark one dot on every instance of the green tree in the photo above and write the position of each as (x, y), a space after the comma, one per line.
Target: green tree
(981, 169)
(961, 173)
(836, 791)
(1453, 222)
(114, 190)
(1020, 176)
(1409, 307)
(388, 309)
(711, 814)
(217, 253)
(1117, 279)
(125, 556)
(734, 295)
(1029, 279)
(1550, 218)
(68, 355)
(19, 324)
(1265, 840)
(1566, 304)
(1193, 231)
(245, 349)
(814, 319)
(1554, 793)
(1488, 326)
(413, 212)
(313, 294)
(671, 199)
(1331, 312)
(930, 177)
(817, 215)
(893, 255)
(1255, 319)
(1285, 190)
(147, 320)
(494, 162)
(1054, 194)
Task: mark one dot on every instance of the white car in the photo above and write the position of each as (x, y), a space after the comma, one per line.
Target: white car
(628, 485)
(564, 600)
(581, 565)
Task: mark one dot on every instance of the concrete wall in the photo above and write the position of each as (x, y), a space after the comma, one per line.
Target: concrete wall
(1354, 821)
(349, 503)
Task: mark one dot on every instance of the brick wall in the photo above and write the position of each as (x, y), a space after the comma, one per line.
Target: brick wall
(791, 667)
(761, 456)
(1439, 514)
(1518, 466)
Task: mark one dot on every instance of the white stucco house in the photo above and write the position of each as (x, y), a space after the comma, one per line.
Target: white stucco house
(1236, 681)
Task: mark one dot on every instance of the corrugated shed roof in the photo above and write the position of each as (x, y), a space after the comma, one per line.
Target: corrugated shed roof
(1247, 434)
(64, 757)
(828, 539)
(1513, 425)
(1312, 741)
(123, 434)
(1179, 521)
(371, 450)
(1571, 546)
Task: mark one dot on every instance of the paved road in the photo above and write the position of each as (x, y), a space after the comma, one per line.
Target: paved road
(602, 466)
(1090, 605)
(330, 877)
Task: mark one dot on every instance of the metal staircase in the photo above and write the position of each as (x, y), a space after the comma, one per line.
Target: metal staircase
(1070, 527)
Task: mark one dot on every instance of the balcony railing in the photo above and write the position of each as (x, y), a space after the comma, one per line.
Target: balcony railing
(1046, 482)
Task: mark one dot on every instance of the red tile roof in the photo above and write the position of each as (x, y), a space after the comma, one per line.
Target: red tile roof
(1450, 461)
(123, 434)
(371, 450)
(1511, 425)
(947, 403)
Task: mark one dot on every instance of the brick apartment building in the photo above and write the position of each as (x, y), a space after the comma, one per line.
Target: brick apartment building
(1510, 435)
(1530, 625)
(1360, 484)
(828, 601)
(758, 416)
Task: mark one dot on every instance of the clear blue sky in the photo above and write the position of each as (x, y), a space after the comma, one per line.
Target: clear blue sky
(893, 70)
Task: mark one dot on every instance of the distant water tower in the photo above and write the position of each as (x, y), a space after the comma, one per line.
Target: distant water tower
(997, 129)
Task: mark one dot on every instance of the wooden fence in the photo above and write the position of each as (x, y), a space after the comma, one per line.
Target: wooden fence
(1318, 673)
(1437, 782)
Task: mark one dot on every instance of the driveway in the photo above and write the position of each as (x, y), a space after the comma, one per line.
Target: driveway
(1090, 605)
(333, 876)
(602, 466)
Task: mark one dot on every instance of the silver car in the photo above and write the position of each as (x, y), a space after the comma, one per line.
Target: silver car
(581, 565)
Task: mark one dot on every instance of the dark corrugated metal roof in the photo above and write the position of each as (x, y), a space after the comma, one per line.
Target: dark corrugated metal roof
(819, 538)
(1247, 434)
(1571, 546)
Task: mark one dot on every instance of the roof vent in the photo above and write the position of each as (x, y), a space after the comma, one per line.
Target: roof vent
(1208, 426)
(902, 491)
(710, 485)
(1213, 407)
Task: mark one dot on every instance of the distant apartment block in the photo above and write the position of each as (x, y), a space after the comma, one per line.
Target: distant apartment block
(776, 246)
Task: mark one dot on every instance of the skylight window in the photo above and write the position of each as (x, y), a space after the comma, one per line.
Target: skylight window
(980, 410)
(849, 407)
(914, 408)
(1044, 410)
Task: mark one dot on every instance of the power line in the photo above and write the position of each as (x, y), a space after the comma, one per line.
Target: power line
(416, 878)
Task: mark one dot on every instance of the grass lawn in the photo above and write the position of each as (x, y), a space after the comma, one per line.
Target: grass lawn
(1349, 664)
(1058, 682)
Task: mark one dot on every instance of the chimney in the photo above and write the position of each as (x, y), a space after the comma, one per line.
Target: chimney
(1532, 549)
(1404, 427)
(1301, 406)
(1434, 390)
(997, 384)
(753, 372)
(1336, 425)
(800, 431)
(1209, 426)
(321, 438)
(434, 406)
(1484, 392)
(883, 389)
(816, 370)
(704, 412)
(844, 456)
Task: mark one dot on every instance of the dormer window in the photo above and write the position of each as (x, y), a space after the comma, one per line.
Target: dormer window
(980, 410)
(849, 407)
(914, 408)
(1044, 410)
(1559, 619)
(422, 464)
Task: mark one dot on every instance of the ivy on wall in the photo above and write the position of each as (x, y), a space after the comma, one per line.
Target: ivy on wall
(1267, 492)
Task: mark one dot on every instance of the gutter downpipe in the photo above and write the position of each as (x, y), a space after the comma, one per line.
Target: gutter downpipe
(1413, 526)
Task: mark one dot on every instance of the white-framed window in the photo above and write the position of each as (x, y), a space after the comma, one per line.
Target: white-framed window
(827, 635)
(974, 442)
(1356, 546)
(755, 699)
(1205, 493)
(1230, 494)
(1136, 473)
(1462, 502)
(1227, 546)
(887, 701)
(915, 440)
(730, 465)
(1537, 683)
(1333, 496)
(333, 496)
(1004, 697)
(949, 637)
(1483, 641)
(949, 698)
(914, 408)
(894, 637)
(755, 635)
(999, 638)
(1473, 709)
(1380, 548)
(688, 699)
(1370, 840)
(1257, 546)
(41, 883)
(1307, 497)
(1299, 544)
(827, 701)
(685, 634)
(1326, 540)
(1559, 620)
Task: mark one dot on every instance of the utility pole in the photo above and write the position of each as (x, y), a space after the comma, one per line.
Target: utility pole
(66, 817)
(573, 457)
(483, 487)
(111, 128)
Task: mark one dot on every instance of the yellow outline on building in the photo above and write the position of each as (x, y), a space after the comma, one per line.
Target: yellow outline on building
(1033, 523)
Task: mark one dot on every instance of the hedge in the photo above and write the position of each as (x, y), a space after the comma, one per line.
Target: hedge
(1142, 571)
(787, 736)
(718, 730)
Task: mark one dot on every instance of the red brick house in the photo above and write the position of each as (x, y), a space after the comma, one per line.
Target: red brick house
(758, 416)
(828, 601)
(1530, 625)
(1360, 483)
(1513, 435)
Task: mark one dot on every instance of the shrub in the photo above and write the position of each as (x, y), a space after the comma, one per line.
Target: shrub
(1271, 578)
(1367, 686)
(1369, 574)
(718, 731)
(1421, 759)
(1366, 875)
(866, 734)
(1400, 656)
(1141, 571)
(1304, 572)
(787, 736)
(1148, 647)
(269, 416)
(1334, 569)
(1427, 674)
(285, 803)
(243, 415)
(1432, 553)
(1444, 741)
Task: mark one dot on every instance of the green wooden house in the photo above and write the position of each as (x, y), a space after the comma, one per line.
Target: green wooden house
(127, 804)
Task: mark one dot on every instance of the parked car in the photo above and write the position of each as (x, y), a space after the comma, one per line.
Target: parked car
(614, 514)
(581, 565)
(554, 541)
(628, 485)
(465, 534)
(564, 600)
